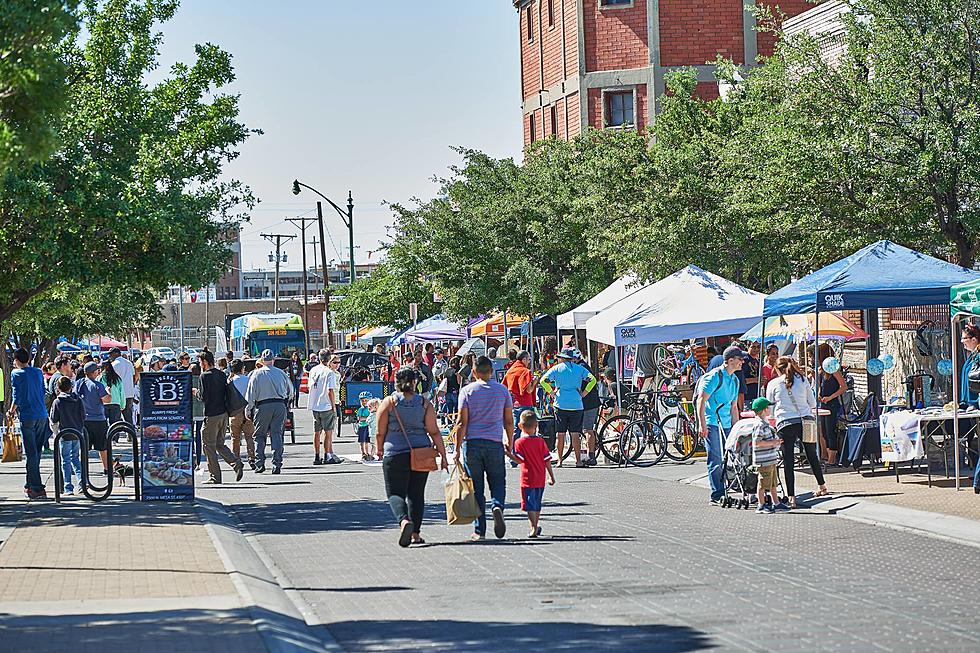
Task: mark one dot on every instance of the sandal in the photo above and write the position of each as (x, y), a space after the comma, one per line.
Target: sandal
(821, 492)
(792, 503)
(476, 537)
(405, 537)
(418, 540)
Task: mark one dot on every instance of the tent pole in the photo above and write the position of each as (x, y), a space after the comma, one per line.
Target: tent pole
(816, 372)
(505, 337)
(954, 350)
(588, 348)
(762, 357)
(619, 381)
(530, 342)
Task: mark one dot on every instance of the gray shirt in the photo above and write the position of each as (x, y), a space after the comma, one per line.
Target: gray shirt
(267, 382)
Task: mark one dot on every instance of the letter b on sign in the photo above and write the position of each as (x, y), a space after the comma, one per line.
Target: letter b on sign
(167, 391)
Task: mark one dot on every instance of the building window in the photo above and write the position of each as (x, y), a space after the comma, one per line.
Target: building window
(554, 119)
(534, 135)
(529, 15)
(615, 3)
(551, 13)
(619, 109)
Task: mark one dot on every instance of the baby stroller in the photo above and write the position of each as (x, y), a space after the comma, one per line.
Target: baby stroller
(738, 470)
(737, 475)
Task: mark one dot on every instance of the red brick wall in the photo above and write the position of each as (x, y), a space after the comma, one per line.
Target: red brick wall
(551, 42)
(615, 37)
(693, 32)
(530, 57)
(571, 36)
(767, 41)
(574, 122)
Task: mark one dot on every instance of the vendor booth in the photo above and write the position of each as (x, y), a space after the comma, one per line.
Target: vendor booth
(802, 327)
(432, 329)
(882, 275)
(617, 290)
(494, 325)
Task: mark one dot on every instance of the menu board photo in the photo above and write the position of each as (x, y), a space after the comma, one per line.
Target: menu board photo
(167, 449)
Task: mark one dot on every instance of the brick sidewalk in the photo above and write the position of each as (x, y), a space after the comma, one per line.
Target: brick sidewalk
(113, 576)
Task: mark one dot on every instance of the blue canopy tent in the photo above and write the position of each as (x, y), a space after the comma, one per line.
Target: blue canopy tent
(882, 275)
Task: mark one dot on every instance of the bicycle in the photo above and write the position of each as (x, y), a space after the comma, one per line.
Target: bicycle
(683, 437)
(642, 441)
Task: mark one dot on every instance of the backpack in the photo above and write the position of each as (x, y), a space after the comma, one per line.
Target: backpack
(234, 401)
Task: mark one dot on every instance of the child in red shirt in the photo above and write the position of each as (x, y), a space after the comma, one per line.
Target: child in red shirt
(531, 451)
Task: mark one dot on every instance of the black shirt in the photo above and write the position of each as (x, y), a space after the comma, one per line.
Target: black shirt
(213, 387)
(452, 381)
(591, 400)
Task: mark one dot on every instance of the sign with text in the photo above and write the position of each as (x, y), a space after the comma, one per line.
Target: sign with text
(166, 454)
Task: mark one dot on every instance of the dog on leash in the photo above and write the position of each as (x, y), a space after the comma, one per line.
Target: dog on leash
(121, 470)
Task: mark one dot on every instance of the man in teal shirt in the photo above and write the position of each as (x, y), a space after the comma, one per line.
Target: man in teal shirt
(717, 410)
(568, 377)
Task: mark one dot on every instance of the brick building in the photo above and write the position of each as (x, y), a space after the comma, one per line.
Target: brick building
(601, 63)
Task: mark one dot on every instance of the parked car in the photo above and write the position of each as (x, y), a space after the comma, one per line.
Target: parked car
(166, 353)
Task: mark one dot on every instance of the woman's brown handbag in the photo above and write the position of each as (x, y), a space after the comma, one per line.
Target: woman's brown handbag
(423, 458)
(12, 444)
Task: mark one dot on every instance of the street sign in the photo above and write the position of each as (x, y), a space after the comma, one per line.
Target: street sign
(166, 466)
(413, 311)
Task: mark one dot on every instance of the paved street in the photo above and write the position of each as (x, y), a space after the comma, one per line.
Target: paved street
(630, 561)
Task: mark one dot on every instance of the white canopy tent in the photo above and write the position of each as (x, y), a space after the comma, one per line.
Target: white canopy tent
(691, 303)
(617, 290)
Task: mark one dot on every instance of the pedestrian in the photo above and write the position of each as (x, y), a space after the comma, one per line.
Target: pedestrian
(406, 421)
(127, 372)
(765, 457)
(792, 397)
(520, 383)
(373, 405)
(769, 368)
(117, 393)
(832, 387)
(197, 411)
(439, 365)
(364, 425)
(67, 412)
(27, 402)
(214, 395)
(241, 426)
(568, 378)
(429, 357)
(590, 409)
(531, 451)
(155, 363)
(466, 370)
(313, 361)
(295, 376)
(717, 403)
(62, 367)
(324, 389)
(549, 353)
(94, 398)
(750, 371)
(450, 389)
(485, 433)
(268, 395)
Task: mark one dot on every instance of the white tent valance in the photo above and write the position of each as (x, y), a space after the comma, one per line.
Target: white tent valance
(691, 303)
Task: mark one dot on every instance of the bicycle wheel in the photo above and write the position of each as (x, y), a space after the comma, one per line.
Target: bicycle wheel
(643, 443)
(566, 446)
(682, 439)
(609, 433)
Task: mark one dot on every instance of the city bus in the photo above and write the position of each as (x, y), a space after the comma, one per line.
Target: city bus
(281, 332)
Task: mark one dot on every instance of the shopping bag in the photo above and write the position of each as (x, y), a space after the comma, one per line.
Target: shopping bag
(461, 506)
(12, 446)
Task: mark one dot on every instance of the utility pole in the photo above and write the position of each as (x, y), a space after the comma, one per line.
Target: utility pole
(316, 266)
(326, 279)
(278, 239)
(306, 294)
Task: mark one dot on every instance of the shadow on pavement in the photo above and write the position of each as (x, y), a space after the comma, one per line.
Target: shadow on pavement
(113, 512)
(493, 637)
(315, 516)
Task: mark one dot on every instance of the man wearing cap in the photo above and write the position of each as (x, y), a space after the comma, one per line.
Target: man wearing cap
(127, 373)
(268, 393)
(155, 363)
(94, 397)
(717, 404)
(439, 365)
(570, 382)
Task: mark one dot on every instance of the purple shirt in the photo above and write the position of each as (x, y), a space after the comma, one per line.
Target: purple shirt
(485, 401)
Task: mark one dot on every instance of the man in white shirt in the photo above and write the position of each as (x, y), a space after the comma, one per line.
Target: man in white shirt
(127, 373)
(324, 387)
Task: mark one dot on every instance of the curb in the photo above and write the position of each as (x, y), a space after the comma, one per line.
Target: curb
(950, 528)
(279, 616)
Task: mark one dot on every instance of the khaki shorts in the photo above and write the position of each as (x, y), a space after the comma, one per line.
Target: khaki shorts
(324, 420)
(767, 477)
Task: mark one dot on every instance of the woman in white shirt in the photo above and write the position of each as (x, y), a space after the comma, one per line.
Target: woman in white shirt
(792, 398)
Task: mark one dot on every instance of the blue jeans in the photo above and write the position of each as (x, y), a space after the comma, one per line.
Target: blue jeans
(450, 403)
(71, 460)
(485, 457)
(714, 446)
(35, 434)
(517, 419)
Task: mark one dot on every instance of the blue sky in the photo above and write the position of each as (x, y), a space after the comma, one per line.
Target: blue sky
(366, 96)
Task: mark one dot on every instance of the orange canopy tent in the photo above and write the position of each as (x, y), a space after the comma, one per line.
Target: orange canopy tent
(494, 325)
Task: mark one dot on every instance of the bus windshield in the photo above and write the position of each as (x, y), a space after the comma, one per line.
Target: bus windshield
(281, 346)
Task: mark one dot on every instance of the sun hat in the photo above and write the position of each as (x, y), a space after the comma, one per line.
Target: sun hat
(567, 352)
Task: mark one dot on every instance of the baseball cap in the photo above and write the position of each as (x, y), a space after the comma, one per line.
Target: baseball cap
(155, 358)
(115, 351)
(90, 367)
(267, 355)
(567, 352)
(438, 350)
(759, 404)
(365, 395)
(408, 356)
(733, 352)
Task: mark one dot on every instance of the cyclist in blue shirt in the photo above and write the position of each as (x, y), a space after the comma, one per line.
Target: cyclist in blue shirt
(717, 406)
(565, 379)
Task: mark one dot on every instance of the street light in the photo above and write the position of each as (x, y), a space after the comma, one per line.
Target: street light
(348, 218)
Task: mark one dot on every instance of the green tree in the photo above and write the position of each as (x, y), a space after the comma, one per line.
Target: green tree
(32, 76)
(134, 194)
